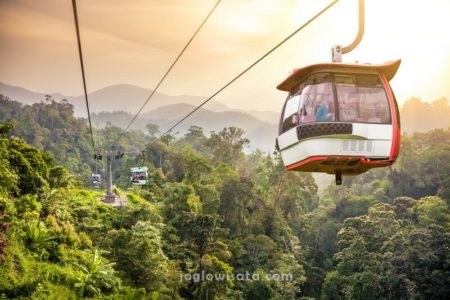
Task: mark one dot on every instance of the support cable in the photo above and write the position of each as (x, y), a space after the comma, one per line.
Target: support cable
(75, 15)
(170, 69)
(252, 65)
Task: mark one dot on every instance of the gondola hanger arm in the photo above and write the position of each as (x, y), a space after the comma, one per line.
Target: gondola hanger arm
(337, 51)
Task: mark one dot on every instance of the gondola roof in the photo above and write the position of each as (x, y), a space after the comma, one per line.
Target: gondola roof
(139, 169)
(389, 69)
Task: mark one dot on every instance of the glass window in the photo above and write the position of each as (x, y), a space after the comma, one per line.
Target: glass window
(361, 98)
(317, 100)
(290, 116)
(312, 101)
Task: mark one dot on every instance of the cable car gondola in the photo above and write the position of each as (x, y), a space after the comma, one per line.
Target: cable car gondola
(339, 119)
(139, 175)
(96, 178)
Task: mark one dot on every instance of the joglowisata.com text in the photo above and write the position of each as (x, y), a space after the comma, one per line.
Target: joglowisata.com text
(247, 276)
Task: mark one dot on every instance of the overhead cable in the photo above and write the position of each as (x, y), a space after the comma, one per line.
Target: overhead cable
(75, 15)
(252, 65)
(170, 68)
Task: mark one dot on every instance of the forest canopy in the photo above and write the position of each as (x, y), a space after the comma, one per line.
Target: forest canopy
(211, 208)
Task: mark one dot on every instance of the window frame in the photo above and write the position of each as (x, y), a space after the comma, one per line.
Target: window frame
(298, 89)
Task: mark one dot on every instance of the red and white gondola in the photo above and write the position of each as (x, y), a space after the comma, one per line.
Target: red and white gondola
(339, 119)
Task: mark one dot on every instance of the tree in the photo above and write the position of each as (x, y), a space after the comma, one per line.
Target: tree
(5, 128)
(153, 130)
(59, 177)
(227, 145)
(140, 255)
(214, 288)
(237, 197)
(196, 139)
(8, 178)
(379, 259)
(96, 277)
(197, 167)
(432, 210)
(362, 241)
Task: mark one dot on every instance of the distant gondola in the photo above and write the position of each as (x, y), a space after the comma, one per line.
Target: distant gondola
(339, 119)
(139, 176)
(96, 178)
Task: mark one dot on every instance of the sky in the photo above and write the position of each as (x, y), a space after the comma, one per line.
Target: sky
(135, 41)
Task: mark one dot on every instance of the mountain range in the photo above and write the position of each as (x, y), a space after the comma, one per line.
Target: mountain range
(118, 104)
(123, 97)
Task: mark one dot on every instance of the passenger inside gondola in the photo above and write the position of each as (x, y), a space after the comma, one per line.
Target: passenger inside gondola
(362, 99)
(138, 176)
(317, 102)
(345, 121)
(96, 178)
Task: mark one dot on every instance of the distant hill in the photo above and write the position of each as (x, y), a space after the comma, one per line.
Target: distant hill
(267, 116)
(120, 97)
(118, 103)
(25, 96)
(126, 98)
(261, 134)
(419, 116)
(130, 98)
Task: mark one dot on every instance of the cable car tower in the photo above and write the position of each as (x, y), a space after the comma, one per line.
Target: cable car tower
(340, 118)
(110, 197)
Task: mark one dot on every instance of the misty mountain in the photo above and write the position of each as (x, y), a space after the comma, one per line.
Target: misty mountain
(126, 98)
(119, 97)
(419, 116)
(118, 104)
(261, 134)
(26, 96)
(267, 116)
(129, 98)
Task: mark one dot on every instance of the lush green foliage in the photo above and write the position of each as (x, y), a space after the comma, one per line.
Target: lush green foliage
(210, 208)
(51, 126)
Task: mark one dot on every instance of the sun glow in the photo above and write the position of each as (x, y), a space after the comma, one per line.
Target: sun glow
(136, 50)
(414, 31)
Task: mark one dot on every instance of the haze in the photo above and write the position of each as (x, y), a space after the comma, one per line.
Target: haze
(135, 42)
